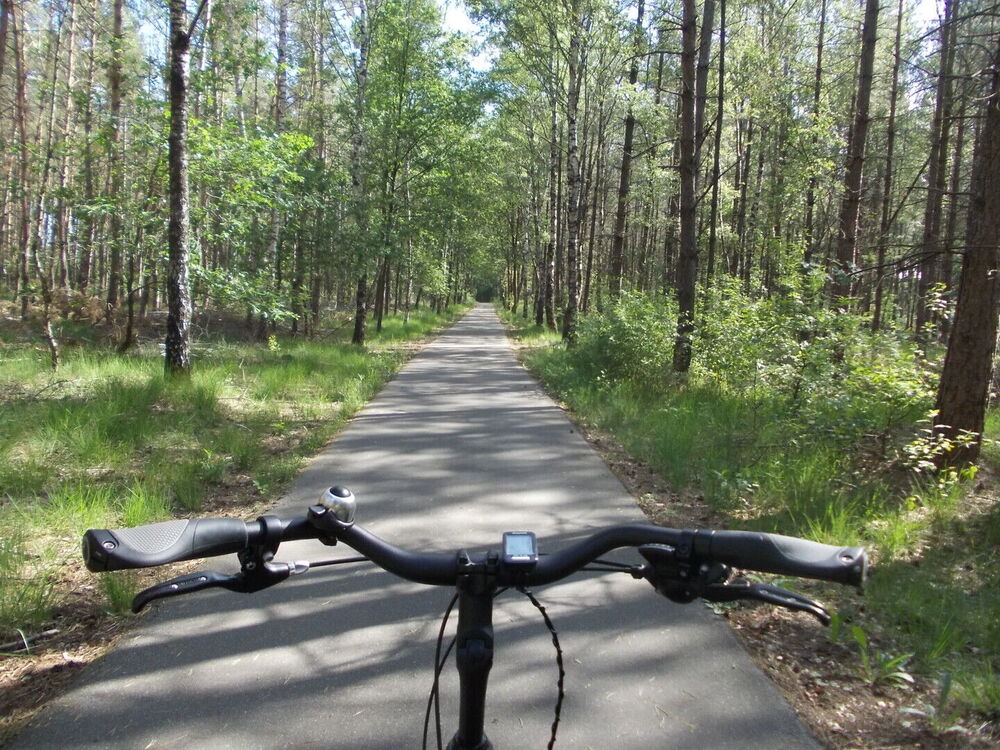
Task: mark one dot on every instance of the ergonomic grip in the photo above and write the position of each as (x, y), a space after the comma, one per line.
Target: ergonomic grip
(785, 555)
(162, 543)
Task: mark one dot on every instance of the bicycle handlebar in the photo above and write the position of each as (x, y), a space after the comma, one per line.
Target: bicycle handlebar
(173, 541)
(162, 543)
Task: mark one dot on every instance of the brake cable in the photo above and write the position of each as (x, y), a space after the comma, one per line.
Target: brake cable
(339, 561)
(439, 662)
(559, 661)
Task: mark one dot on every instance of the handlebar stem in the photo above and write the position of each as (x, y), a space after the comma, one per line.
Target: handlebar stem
(474, 649)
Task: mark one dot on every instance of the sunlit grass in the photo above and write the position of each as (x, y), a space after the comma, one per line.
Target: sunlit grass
(108, 441)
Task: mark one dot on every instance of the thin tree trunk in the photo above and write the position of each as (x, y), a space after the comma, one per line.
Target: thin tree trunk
(741, 261)
(575, 179)
(717, 150)
(807, 239)
(937, 176)
(88, 221)
(5, 10)
(115, 173)
(273, 258)
(548, 306)
(358, 186)
(62, 210)
(20, 111)
(617, 267)
(43, 271)
(890, 150)
(380, 285)
(701, 78)
(177, 359)
(850, 209)
(951, 228)
(687, 262)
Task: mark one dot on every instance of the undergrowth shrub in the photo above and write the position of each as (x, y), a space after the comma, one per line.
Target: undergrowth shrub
(632, 341)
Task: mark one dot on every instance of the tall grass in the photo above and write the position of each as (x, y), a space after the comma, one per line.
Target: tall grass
(798, 421)
(108, 441)
(26, 582)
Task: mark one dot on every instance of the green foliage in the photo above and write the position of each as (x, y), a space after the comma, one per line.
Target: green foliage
(979, 690)
(878, 667)
(142, 505)
(632, 341)
(941, 718)
(526, 331)
(119, 588)
(254, 291)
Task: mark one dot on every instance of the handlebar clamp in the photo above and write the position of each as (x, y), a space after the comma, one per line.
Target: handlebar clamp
(677, 574)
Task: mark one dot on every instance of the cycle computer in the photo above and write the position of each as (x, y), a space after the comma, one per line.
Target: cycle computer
(520, 549)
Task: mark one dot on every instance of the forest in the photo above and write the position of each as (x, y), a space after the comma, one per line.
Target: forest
(779, 219)
(361, 154)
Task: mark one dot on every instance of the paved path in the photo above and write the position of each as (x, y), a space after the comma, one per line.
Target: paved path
(461, 446)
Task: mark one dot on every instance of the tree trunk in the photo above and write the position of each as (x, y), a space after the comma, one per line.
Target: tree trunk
(5, 6)
(177, 359)
(963, 390)
(62, 210)
(273, 259)
(574, 179)
(358, 187)
(549, 267)
(88, 222)
(687, 262)
(890, 148)
(20, 112)
(115, 174)
(937, 176)
(617, 268)
(701, 78)
(714, 211)
(850, 209)
(380, 284)
(741, 261)
(807, 239)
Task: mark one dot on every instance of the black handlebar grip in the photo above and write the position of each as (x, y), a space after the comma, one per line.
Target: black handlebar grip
(162, 543)
(784, 555)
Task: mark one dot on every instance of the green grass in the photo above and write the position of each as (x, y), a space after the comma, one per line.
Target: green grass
(26, 582)
(526, 331)
(821, 466)
(108, 441)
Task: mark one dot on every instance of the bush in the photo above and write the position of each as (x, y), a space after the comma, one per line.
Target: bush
(631, 341)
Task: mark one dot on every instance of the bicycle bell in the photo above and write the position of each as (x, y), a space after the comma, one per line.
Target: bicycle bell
(341, 502)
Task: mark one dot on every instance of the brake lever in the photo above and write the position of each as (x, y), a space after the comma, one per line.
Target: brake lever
(247, 581)
(740, 588)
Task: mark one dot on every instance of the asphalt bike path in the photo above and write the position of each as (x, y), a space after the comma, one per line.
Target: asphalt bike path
(461, 446)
